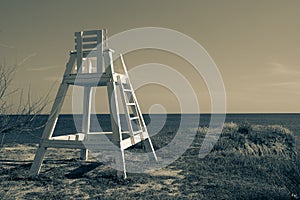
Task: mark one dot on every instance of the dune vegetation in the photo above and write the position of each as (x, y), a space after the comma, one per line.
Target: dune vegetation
(248, 162)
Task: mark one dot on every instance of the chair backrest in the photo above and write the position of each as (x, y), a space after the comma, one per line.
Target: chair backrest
(89, 45)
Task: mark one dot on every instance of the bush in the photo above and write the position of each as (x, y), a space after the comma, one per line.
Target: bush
(244, 128)
(271, 140)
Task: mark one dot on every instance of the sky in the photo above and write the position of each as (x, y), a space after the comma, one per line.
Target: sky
(255, 45)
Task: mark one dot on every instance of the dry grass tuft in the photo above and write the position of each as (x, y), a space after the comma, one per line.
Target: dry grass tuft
(256, 140)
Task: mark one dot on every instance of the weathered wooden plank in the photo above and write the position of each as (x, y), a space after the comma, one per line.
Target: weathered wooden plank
(79, 136)
(128, 142)
(90, 32)
(100, 52)
(90, 53)
(101, 133)
(78, 48)
(88, 39)
(87, 46)
(67, 137)
(70, 144)
(87, 79)
(86, 119)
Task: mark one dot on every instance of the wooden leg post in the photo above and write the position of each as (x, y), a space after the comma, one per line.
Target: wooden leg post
(116, 126)
(37, 163)
(86, 119)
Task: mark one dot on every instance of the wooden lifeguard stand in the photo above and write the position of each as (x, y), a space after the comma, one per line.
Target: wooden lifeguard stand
(81, 71)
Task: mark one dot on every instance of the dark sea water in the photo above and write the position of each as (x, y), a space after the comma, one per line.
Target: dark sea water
(156, 123)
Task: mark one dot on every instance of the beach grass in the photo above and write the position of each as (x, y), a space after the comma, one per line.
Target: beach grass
(249, 161)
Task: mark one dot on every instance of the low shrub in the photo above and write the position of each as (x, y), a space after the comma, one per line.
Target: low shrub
(257, 140)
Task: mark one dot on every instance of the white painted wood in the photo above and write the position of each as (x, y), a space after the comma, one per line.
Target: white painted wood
(79, 136)
(86, 118)
(78, 48)
(100, 51)
(137, 107)
(90, 44)
(113, 105)
(101, 133)
(125, 106)
(90, 32)
(112, 96)
(87, 94)
(52, 120)
(88, 79)
(123, 161)
(88, 47)
(89, 53)
(126, 143)
(67, 137)
(84, 153)
(130, 94)
(73, 144)
(88, 39)
(64, 144)
(147, 142)
(105, 42)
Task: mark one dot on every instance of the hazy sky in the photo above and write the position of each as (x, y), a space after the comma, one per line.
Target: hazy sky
(255, 44)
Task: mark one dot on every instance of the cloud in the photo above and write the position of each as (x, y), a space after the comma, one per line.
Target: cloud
(287, 83)
(6, 46)
(27, 58)
(283, 76)
(283, 69)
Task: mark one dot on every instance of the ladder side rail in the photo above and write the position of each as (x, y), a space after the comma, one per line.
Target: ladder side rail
(136, 111)
(149, 145)
(133, 94)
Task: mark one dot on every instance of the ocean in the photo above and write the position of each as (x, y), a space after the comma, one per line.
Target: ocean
(155, 123)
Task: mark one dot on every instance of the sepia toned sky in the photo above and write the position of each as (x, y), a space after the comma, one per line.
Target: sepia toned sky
(255, 44)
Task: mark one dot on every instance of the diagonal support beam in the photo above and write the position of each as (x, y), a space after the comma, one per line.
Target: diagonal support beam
(52, 120)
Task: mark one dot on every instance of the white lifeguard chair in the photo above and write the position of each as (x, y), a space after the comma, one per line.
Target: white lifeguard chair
(92, 45)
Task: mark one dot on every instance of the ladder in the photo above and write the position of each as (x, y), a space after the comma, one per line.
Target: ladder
(135, 122)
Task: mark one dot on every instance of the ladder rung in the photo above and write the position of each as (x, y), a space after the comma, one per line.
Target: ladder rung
(130, 104)
(124, 81)
(137, 132)
(125, 132)
(133, 118)
(127, 90)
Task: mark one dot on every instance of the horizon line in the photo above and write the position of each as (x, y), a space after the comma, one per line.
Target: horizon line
(206, 113)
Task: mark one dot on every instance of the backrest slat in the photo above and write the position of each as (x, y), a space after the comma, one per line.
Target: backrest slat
(89, 44)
